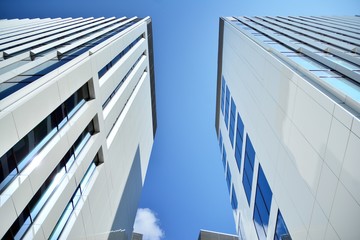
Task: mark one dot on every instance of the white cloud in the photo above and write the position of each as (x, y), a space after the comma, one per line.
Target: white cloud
(147, 224)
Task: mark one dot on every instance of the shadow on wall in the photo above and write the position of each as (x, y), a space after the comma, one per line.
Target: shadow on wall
(126, 211)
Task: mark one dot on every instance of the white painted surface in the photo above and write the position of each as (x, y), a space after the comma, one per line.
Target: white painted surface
(95, 212)
(306, 142)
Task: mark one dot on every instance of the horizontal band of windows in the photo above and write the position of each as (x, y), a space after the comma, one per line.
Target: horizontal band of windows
(24, 151)
(56, 233)
(127, 100)
(34, 30)
(54, 40)
(14, 84)
(121, 82)
(44, 37)
(79, 49)
(12, 33)
(40, 198)
(117, 57)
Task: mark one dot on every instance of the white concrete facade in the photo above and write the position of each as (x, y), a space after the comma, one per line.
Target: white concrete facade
(120, 105)
(305, 131)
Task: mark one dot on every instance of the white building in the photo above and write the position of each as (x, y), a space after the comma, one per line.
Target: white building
(287, 119)
(77, 124)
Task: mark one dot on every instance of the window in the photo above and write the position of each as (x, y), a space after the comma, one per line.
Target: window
(222, 94)
(120, 83)
(262, 205)
(12, 85)
(38, 201)
(220, 141)
(228, 177)
(74, 200)
(232, 122)
(224, 157)
(308, 63)
(227, 98)
(234, 202)
(249, 161)
(281, 231)
(239, 141)
(16, 83)
(24, 151)
(117, 58)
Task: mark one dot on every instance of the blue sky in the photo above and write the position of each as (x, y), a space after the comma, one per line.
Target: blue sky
(185, 183)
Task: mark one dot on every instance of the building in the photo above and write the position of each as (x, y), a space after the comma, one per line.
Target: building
(287, 121)
(137, 236)
(77, 124)
(209, 235)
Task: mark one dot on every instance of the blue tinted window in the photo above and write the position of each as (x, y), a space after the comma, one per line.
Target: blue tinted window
(24, 151)
(120, 83)
(228, 177)
(12, 85)
(117, 58)
(222, 95)
(248, 168)
(227, 102)
(232, 122)
(262, 205)
(224, 157)
(281, 231)
(74, 200)
(239, 140)
(234, 202)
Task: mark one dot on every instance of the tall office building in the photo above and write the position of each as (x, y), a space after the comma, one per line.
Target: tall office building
(287, 120)
(77, 124)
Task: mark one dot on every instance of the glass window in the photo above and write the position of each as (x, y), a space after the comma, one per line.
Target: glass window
(74, 200)
(228, 177)
(280, 47)
(234, 202)
(343, 63)
(120, 83)
(7, 168)
(308, 63)
(281, 231)
(227, 101)
(24, 151)
(37, 202)
(262, 206)
(117, 58)
(224, 157)
(345, 85)
(239, 141)
(232, 122)
(248, 168)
